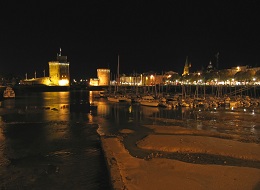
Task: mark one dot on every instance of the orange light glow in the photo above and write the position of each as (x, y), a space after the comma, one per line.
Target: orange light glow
(64, 82)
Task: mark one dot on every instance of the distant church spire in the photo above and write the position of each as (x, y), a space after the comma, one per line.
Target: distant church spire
(186, 67)
(60, 52)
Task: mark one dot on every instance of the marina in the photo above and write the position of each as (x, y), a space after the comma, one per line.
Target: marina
(130, 95)
(49, 135)
(190, 96)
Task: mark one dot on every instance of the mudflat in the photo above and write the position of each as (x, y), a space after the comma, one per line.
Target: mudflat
(179, 158)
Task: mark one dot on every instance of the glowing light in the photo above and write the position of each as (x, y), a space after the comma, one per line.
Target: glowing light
(64, 82)
(130, 109)
(90, 117)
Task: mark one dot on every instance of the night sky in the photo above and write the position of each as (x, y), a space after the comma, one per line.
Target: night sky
(148, 35)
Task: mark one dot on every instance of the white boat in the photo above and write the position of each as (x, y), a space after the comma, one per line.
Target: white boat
(9, 93)
(117, 98)
(149, 101)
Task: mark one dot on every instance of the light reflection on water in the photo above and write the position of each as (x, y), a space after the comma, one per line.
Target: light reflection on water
(84, 106)
(58, 125)
(49, 140)
(240, 121)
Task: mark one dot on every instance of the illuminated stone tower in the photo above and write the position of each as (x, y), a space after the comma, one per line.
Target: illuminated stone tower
(103, 77)
(59, 71)
(186, 68)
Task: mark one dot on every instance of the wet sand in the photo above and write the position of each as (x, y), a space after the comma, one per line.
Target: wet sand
(173, 157)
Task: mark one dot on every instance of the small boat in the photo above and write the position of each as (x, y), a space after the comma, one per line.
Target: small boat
(117, 98)
(9, 93)
(149, 101)
(184, 103)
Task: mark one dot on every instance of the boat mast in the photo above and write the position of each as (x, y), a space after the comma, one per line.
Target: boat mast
(118, 78)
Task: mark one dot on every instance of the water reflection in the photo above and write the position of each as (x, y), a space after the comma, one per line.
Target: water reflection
(50, 129)
(8, 104)
(149, 111)
(58, 103)
(84, 106)
(102, 108)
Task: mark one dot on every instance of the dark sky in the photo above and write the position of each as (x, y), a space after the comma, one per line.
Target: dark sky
(148, 35)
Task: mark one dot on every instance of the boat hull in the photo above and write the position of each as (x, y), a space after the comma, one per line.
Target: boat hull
(8, 93)
(152, 104)
(149, 101)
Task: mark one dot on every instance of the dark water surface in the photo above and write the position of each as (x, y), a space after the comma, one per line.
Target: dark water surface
(49, 140)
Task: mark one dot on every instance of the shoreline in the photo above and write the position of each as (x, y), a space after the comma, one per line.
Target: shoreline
(238, 169)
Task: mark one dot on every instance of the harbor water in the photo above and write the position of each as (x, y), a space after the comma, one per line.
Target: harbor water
(50, 140)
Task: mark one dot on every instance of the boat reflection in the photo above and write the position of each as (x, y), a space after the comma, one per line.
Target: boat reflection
(8, 103)
(84, 106)
(149, 111)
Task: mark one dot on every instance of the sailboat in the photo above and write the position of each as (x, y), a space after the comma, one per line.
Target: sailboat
(116, 96)
(149, 101)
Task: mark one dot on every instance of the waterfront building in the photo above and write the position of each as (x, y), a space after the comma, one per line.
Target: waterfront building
(171, 77)
(148, 79)
(93, 81)
(135, 80)
(59, 74)
(59, 71)
(36, 81)
(103, 77)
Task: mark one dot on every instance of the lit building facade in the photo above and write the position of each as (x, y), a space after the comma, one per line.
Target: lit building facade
(103, 77)
(59, 71)
(130, 80)
(93, 81)
(59, 74)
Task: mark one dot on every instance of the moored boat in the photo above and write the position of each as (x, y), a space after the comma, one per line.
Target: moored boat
(118, 98)
(9, 93)
(149, 101)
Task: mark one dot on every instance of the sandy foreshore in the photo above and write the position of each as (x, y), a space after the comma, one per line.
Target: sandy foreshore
(157, 171)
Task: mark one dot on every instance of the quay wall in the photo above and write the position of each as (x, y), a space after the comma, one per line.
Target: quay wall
(116, 180)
